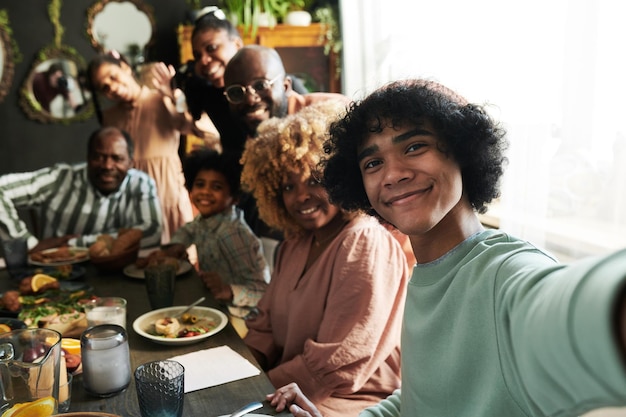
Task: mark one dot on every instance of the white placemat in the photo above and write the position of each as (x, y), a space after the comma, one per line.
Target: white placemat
(210, 367)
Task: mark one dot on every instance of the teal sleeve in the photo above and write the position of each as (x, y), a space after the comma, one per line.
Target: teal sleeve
(389, 407)
(564, 336)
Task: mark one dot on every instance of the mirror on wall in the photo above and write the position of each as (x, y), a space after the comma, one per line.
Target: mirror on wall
(105, 18)
(6, 55)
(55, 88)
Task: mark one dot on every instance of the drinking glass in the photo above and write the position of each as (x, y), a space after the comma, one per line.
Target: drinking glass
(106, 360)
(15, 255)
(106, 310)
(160, 388)
(65, 394)
(160, 283)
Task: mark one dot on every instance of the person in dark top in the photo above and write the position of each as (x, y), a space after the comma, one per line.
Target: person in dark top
(214, 42)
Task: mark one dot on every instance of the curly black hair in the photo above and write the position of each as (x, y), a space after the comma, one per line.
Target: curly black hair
(466, 133)
(225, 163)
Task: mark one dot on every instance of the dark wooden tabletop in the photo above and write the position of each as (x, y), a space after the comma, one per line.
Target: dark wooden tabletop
(214, 401)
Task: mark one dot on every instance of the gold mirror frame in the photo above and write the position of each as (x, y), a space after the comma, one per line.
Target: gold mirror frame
(74, 68)
(8, 55)
(133, 48)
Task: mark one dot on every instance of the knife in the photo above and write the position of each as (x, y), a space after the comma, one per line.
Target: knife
(246, 409)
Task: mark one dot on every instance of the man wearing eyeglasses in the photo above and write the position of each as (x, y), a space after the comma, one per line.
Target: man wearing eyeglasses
(257, 88)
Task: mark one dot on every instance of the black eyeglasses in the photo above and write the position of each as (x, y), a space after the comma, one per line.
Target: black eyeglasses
(236, 93)
(210, 11)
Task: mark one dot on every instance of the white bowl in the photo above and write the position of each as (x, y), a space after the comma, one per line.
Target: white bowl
(144, 323)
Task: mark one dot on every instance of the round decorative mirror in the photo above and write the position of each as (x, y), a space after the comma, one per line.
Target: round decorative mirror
(106, 17)
(55, 89)
(7, 54)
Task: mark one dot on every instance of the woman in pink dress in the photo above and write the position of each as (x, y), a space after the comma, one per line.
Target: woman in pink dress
(154, 122)
(330, 318)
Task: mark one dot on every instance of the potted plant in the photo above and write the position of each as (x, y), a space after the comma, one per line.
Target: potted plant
(250, 14)
(298, 14)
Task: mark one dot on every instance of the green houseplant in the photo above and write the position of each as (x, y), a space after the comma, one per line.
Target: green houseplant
(246, 13)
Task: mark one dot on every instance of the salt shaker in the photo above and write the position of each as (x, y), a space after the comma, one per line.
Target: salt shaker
(106, 360)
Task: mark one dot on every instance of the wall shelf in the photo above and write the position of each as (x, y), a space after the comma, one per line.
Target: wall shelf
(286, 40)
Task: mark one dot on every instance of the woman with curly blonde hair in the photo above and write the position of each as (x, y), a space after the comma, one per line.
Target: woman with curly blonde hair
(330, 318)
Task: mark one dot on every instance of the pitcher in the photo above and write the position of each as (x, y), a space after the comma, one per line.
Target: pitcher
(29, 372)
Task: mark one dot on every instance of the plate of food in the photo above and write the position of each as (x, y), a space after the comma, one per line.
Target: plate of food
(8, 324)
(163, 326)
(65, 272)
(134, 271)
(43, 301)
(59, 256)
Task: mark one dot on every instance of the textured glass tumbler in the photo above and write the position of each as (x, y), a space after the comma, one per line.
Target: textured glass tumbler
(160, 388)
(160, 283)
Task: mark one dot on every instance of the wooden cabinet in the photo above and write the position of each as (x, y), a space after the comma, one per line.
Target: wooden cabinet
(300, 47)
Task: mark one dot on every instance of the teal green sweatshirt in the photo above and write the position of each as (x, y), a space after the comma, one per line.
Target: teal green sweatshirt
(496, 327)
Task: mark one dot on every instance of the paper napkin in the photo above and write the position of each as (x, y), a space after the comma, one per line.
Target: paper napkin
(210, 367)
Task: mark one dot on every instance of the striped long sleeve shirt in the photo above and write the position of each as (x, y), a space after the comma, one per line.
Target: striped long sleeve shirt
(67, 203)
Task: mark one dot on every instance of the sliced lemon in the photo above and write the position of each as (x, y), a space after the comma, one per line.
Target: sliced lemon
(39, 280)
(71, 345)
(43, 407)
(4, 328)
(12, 410)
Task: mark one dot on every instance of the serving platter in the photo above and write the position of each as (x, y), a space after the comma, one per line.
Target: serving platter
(133, 271)
(144, 325)
(53, 257)
(76, 272)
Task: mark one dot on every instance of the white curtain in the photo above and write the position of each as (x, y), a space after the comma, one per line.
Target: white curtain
(554, 72)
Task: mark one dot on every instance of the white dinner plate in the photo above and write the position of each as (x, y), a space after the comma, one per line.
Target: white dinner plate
(80, 254)
(135, 272)
(249, 415)
(144, 325)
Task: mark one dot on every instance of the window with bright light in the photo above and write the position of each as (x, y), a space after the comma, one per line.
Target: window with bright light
(551, 71)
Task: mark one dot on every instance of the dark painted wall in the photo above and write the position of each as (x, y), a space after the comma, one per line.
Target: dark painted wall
(27, 144)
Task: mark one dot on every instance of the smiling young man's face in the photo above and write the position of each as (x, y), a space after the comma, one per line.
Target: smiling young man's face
(408, 180)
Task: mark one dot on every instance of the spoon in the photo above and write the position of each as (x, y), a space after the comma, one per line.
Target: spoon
(190, 306)
(246, 409)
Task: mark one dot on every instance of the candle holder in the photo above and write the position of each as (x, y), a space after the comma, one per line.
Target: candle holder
(106, 360)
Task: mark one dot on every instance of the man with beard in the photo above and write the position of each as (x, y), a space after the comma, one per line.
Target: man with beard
(77, 203)
(257, 89)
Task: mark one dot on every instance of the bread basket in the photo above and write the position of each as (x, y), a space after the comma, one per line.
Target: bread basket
(118, 261)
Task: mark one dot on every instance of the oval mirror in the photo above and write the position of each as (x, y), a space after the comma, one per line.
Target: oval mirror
(55, 89)
(106, 17)
(6, 55)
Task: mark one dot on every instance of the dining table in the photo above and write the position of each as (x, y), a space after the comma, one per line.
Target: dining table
(219, 400)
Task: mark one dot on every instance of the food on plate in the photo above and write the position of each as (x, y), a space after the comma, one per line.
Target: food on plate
(68, 324)
(102, 246)
(71, 345)
(107, 245)
(11, 301)
(58, 255)
(43, 282)
(4, 328)
(42, 407)
(38, 283)
(158, 257)
(170, 327)
(70, 349)
(167, 326)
